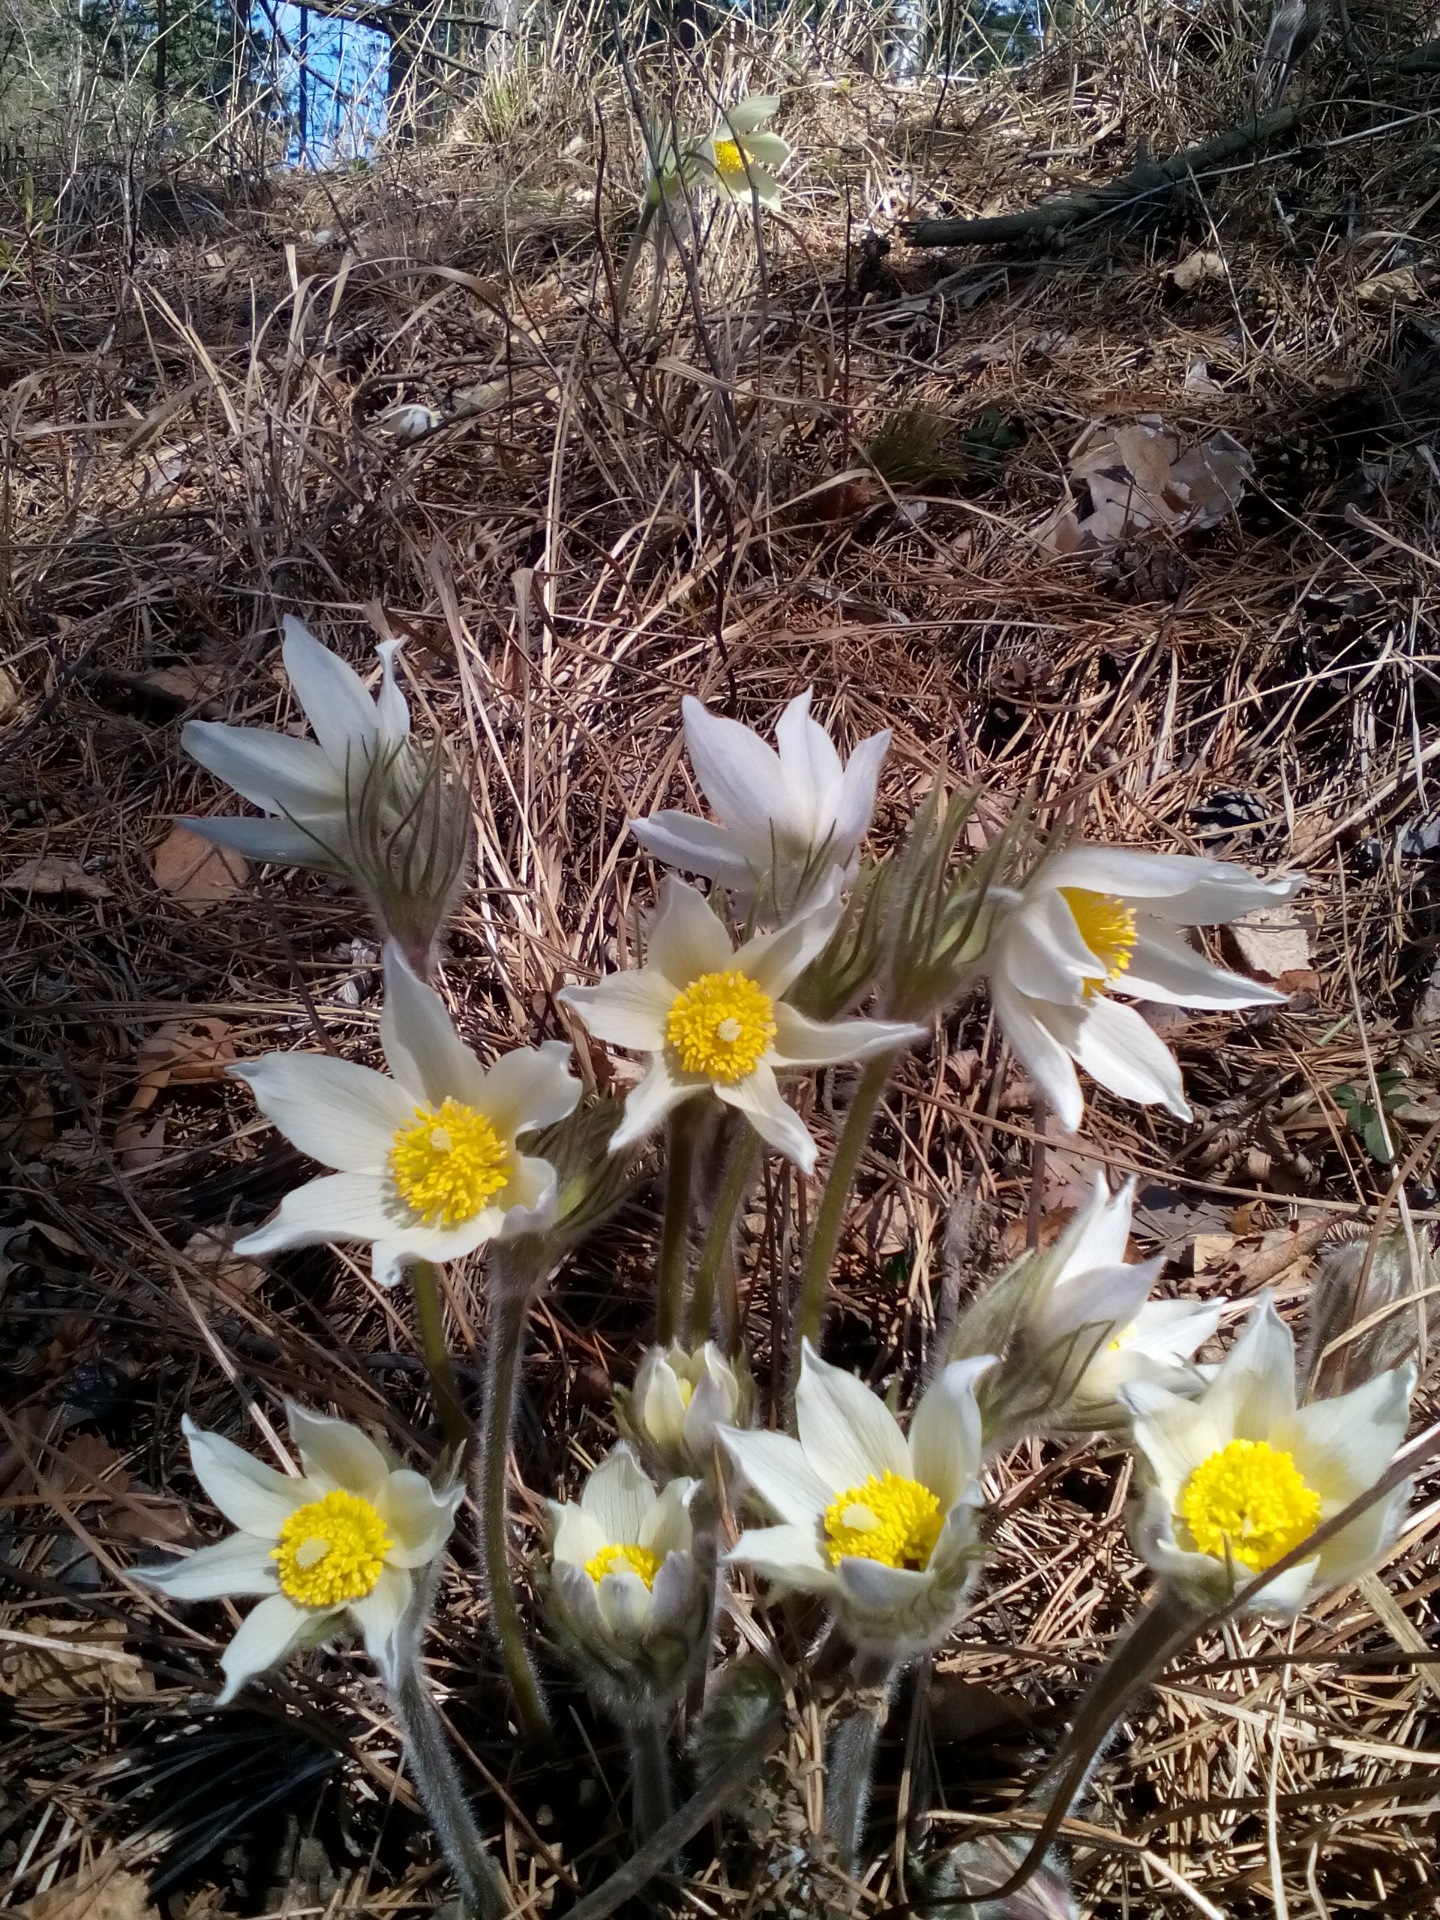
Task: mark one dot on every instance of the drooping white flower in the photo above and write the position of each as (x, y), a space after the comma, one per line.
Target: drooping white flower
(429, 1165)
(307, 787)
(787, 816)
(1234, 1481)
(624, 1581)
(1093, 921)
(712, 1017)
(345, 1540)
(739, 161)
(1088, 1325)
(881, 1526)
(680, 1399)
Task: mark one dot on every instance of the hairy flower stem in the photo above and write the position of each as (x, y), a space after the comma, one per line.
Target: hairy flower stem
(850, 1766)
(430, 1323)
(715, 1249)
(830, 1215)
(432, 1768)
(509, 1308)
(652, 1790)
(675, 1227)
(1167, 1625)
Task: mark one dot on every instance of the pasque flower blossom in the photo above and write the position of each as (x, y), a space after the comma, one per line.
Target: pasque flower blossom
(738, 160)
(1083, 1326)
(309, 788)
(347, 1540)
(787, 816)
(882, 1526)
(1093, 921)
(680, 1400)
(712, 1017)
(1234, 1481)
(429, 1165)
(625, 1587)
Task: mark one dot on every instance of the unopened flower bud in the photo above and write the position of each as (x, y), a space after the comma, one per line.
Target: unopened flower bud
(1361, 1319)
(680, 1399)
(978, 1866)
(409, 840)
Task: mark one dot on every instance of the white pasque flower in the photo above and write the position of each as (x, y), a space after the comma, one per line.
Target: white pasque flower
(308, 787)
(881, 1526)
(1095, 920)
(787, 819)
(1232, 1482)
(1090, 1326)
(712, 1018)
(429, 1166)
(680, 1399)
(624, 1580)
(738, 161)
(346, 1538)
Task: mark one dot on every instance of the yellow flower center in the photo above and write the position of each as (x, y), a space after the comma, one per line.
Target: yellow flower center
(624, 1560)
(729, 160)
(331, 1551)
(448, 1163)
(721, 1026)
(1248, 1502)
(1107, 926)
(892, 1520)
(687, 1391)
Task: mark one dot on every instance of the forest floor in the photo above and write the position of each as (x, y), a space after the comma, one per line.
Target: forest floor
(837, 472)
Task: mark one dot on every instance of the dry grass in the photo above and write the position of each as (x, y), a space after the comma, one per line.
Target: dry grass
(190, 450)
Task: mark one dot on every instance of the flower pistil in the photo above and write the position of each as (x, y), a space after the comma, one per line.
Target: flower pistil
(721, 1026)
(1249, 1502)
(624, 1559)
(887, 1518)
(448, 1163)
(1107, 926)
(331, 1551)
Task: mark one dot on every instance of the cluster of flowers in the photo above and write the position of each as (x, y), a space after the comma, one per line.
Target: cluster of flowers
(741, 991)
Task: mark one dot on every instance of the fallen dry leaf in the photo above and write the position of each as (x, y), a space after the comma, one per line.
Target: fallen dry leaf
(219, 1266)
(184, 683)
(1139, 481)
(1401, 285)
(1196, 268)
(1272, 941)
(180, 1053)
(138, 1146)
(9, 693)
(104, 1891)
(87, 1472)
(51, 875)
(195, 874)
(73, 1660)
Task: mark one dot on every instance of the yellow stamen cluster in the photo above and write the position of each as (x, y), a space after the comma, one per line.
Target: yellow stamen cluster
(730, 161)
(889, 1519)
(1107, 926)
(721, 1026)
(331, 1551)
(623, 1559)
(1248, 1502)
(448, 1163)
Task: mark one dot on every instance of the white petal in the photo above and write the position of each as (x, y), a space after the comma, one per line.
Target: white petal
(1287, 1593)
(686, 939)
(739, 775)
(1164, 969)
(1106, 1299)
(1098, 1234)
(618, 1497)
(666, 1528)
(876, 1588)
(426, 1054)
(235, 1567)
(803, 1042)
(695, 846)
(578, 1535)
(848, 1433)
(341, 1114)
(1042, 952)
(321, 844)
(788, 1555)
(945, 1432)
(649, 1103)
(381, 1618)
(1342, 1446)
(811, 767)
(272, 770)
(776, 1470)
(1116, 1047)
(419, 1520)
(251, 1495)
(335, 1454)
(751, 112)
(342, 1206)
(760, 1100)
(1172, 1433)
(1357, 1547)
(1255, 1387)
(1045, 1059)
(673, 1596)
(776, 960)
(625, 1009)
(530, 1087)
(856, 803)
(268, 1634)
(529, 1200)
(337, 705)
(392, 715)
(625, 1605)
(1182, 888)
